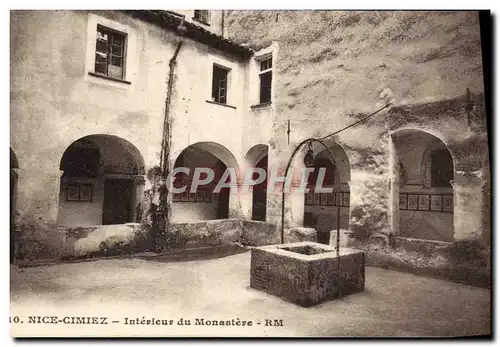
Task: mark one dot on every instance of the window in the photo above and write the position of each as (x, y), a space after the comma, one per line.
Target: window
(266, 77)
(219, 85)
(79, 192)
(109, 53)
(441, 168)
(202, 16)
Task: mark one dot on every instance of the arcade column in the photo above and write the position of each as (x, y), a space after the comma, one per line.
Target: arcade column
(469, 204)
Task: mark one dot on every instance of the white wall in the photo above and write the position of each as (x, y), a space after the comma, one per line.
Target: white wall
(193, 211)
(81, 213)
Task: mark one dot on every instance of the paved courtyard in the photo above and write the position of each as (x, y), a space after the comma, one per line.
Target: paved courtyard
(393, 303)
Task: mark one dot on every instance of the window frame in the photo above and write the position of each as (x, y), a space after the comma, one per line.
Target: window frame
(262, 72)
(198, 16)
(109, 52)
(217, 99)
(79, 187)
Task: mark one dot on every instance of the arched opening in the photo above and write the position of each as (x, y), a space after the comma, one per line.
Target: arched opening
(14, 165)
(259, 194)
(423, 174)
(102, 181)
(327, 211)
(204, 202)
(257, 157)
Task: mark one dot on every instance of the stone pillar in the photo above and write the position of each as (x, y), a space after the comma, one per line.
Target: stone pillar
(245, 197)
(137, 204)
(37, 206)
(294, 208)
(235, 206)
(394, 184)
(468, 199)
(38, 195)
(370, 203)
(294, 198)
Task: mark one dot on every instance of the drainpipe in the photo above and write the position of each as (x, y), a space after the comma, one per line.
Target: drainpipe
(222, 24)
(163, 212)
(167, 136)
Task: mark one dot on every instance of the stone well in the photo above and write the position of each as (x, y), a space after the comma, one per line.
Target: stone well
(306, 273)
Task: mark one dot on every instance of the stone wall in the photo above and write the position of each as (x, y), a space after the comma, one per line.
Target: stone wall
(465, 261)
(76, 242)
(335, 67)
(56, 100)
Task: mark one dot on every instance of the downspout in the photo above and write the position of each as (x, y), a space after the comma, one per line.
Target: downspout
(167, 136)
(164, 212)
(222, 24)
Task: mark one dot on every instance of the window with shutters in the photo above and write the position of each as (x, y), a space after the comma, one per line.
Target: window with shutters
(110, 53)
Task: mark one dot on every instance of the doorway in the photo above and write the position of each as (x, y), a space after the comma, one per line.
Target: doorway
(117, 197)
(259, 198)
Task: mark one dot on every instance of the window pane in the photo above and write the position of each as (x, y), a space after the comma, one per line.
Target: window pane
(101, 46)
(117, 40)
(116, 61)
(202, 15)
(219, 85)
(101, 36)
(101, 57)
(266, 64)
(265, 87)
(115, 72)
(100, 68)
(109, 58)
(116, 51)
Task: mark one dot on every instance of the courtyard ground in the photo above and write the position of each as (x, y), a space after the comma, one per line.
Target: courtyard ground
(393, 303)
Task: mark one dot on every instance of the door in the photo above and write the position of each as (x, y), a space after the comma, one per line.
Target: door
(117, 200)
(259, 199)
(223, 207)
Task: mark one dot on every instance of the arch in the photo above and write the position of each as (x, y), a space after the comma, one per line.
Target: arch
(205, 203)
(339, 151)
(256, 153)
(321, 209)
(111, 147)
(217, 150)
(431, 132)
(257, 157)
(342, 162)
(420, 144)
(423, 167)
(102, 181)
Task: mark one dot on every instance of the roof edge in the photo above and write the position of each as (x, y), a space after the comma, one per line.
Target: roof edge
(171, 21)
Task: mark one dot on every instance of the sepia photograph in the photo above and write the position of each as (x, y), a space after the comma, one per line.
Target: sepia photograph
(250, 173)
